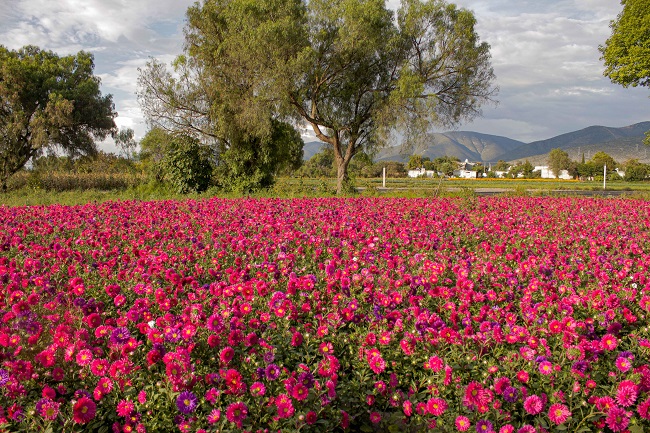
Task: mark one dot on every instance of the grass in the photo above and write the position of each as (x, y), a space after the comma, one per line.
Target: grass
(296, 187)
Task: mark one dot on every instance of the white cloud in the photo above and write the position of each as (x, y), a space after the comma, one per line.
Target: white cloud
(545, 55)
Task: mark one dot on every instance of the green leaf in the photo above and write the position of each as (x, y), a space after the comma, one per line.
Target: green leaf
(636, 429)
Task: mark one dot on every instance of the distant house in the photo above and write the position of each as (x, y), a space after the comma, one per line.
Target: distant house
(465, 171)
(466, 174)
(547, 173)
(421, 172)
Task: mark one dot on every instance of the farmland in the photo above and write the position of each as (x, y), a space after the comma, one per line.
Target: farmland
(370, 314)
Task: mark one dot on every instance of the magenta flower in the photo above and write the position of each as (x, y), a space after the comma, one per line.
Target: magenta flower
(617, 419)
(533, 405)
(558, 413)
(236, 413)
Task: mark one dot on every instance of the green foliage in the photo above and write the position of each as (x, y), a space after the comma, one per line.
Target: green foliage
(636, 171)
(47, 101)
(416, 161)
(600, 159)
(558, 160)
(125, 142)
(320, 165)
(501, 165)
(348, 68)
(187, 165)
(252, 163)
(627, 51)
(446, 164)
(527, 169)
(153, 148)
(102, 172)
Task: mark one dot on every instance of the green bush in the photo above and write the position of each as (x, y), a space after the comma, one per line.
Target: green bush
(187, 166)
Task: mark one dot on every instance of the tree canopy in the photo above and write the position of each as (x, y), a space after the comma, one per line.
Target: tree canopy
(47, 101)
(558, 160)
(627, 51)
(356, 72)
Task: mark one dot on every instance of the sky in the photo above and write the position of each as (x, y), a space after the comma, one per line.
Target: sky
(544, 53)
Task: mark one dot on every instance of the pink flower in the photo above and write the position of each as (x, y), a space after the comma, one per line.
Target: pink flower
(558, 413)
(609, 342)
(474, 394)
(408, 407)
(84, 357)
(375, 417)
(236, 413)
(533, 405)
(545, 368)
(436, 406)
(462, 423)
(434, 363)
(522, 376)
(626, 393)
(258, 389)
(644, 409)
(377, 364)
(285, 410)
(214, 416)
(83, 410)
(311, 417)
(125, 408)
(604, 404)
(617, 419)
(623, 364)
(300, 392)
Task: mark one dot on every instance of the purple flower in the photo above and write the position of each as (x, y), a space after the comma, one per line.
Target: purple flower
(272, 372)
(269, 357)
(306, 378)
(4, 377)
(580, 366)
(511, 394)
(186, 402)
(483, 426)
(120, 335)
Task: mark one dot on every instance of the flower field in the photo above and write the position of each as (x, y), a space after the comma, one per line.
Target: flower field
(489, 315)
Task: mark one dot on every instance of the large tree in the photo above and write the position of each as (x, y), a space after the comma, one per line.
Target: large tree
(47, 101)
(356, 72)
(558, 160)
(627, 51)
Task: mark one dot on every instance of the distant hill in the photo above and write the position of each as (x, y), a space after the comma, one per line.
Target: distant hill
(597, 138)
(621, 150)
(621, 143)
(311, 148)
(469, 145)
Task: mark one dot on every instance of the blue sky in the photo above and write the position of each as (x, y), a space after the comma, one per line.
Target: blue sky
(545, 55)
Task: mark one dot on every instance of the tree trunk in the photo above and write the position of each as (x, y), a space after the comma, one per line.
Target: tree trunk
(342, 175)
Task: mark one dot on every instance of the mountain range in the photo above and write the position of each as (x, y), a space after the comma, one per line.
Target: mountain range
(621, 143)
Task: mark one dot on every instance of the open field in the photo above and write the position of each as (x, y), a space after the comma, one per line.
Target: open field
(513, 314)
(325, 187)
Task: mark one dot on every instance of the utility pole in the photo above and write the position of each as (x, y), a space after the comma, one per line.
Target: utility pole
(604, 176)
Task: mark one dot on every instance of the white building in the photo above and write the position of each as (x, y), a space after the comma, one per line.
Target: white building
(466, 174)
(547, 173)
(421, 172)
